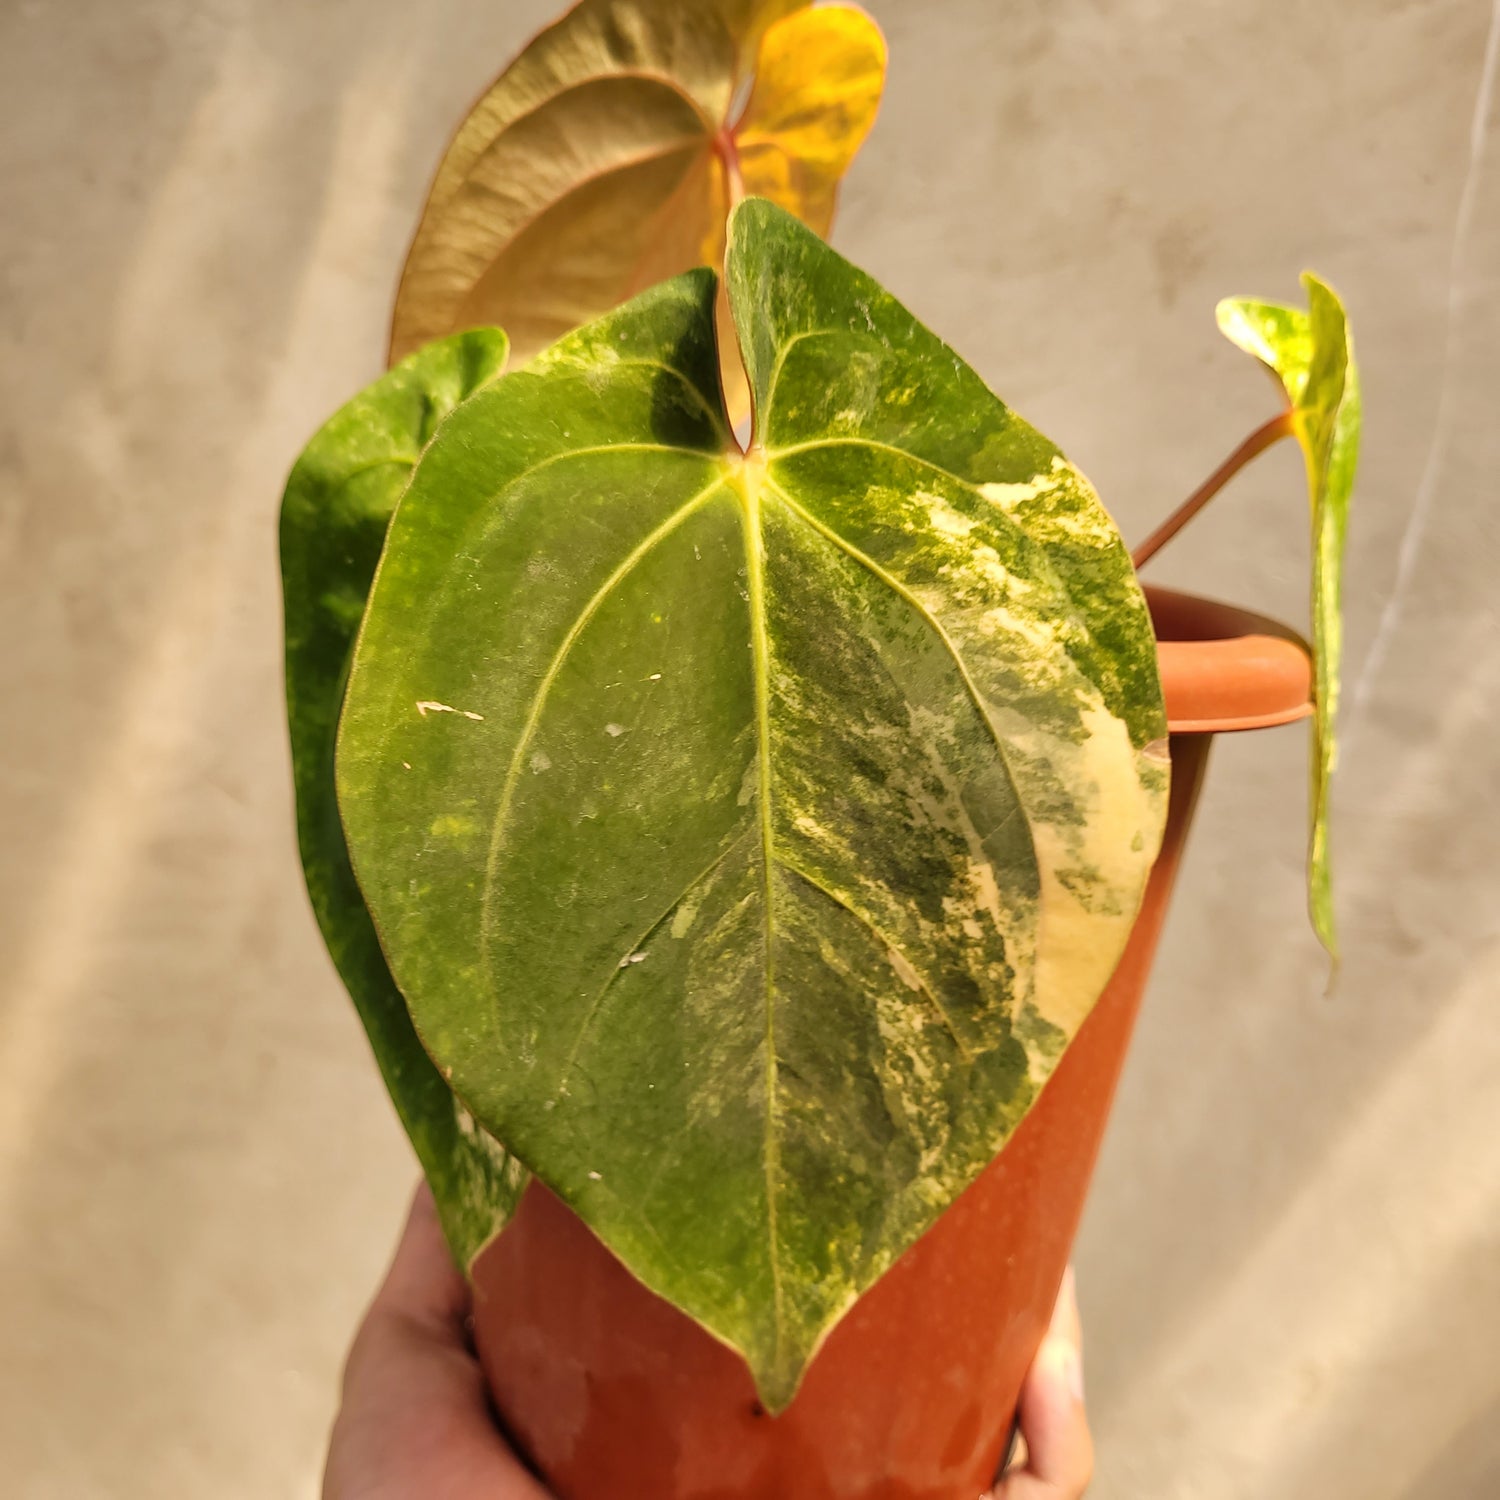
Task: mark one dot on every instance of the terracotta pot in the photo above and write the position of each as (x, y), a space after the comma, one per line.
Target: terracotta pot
(613, 1394)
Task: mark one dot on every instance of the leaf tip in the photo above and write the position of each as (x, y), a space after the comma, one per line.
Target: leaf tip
(1312, 281)
(1226, 309)
(752, 212)
(1335, 963)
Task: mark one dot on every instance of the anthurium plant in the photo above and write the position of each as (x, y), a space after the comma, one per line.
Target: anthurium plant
(733, 834)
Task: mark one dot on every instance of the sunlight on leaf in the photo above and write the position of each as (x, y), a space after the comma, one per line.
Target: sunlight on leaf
(606, 158)
(338, 505)
(790, 810)
(1312, 355)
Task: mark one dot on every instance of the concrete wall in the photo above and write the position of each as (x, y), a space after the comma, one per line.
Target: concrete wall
(1291, 1265)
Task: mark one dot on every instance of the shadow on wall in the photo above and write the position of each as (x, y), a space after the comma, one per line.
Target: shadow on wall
(1466, 1465)
(214, 262)
(199, 248)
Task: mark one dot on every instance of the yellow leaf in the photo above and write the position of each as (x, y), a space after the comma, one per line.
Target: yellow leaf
(818, 81)
(605, 159)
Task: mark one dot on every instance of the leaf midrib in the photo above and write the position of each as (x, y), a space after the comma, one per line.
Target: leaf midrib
(751, 474)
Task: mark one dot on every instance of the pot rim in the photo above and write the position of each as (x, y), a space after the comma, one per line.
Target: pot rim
(1225, 669)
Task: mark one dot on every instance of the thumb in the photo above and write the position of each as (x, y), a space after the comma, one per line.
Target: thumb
(415, 1419)
(1059, 1450)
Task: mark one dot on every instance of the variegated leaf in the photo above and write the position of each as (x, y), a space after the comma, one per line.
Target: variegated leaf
(750, 833)
(1312, 355)
(338, 503)
(607, 156)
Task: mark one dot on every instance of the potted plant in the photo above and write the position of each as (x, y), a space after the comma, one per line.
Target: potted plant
(746, 853)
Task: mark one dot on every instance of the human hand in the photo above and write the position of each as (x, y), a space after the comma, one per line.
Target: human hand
(1058, 1458)
(415, 1421)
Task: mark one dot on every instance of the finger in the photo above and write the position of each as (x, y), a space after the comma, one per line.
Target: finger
(423, 1284)
(1059, 1448)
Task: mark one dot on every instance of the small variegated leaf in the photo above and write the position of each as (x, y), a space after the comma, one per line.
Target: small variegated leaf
(1312, 355)
(334, 515)
(794, 807)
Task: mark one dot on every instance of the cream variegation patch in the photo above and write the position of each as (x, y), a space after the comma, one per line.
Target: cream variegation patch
(1093, 872)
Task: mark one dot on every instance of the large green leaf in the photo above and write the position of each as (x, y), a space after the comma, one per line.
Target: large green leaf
(786, 813)
(338, 503)
(1312, 355)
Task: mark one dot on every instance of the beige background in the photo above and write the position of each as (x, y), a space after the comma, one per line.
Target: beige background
(1291, 1265)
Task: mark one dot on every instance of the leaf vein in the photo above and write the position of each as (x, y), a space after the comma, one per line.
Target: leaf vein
(865, 921)
(539, 214)
(637, 554)
(780, 365)
(636, 945)
(812, 444)
(715, 414)
(949, 644)
(640, 75)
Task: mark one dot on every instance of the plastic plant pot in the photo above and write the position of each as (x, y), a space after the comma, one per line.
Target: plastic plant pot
(610, 1391)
